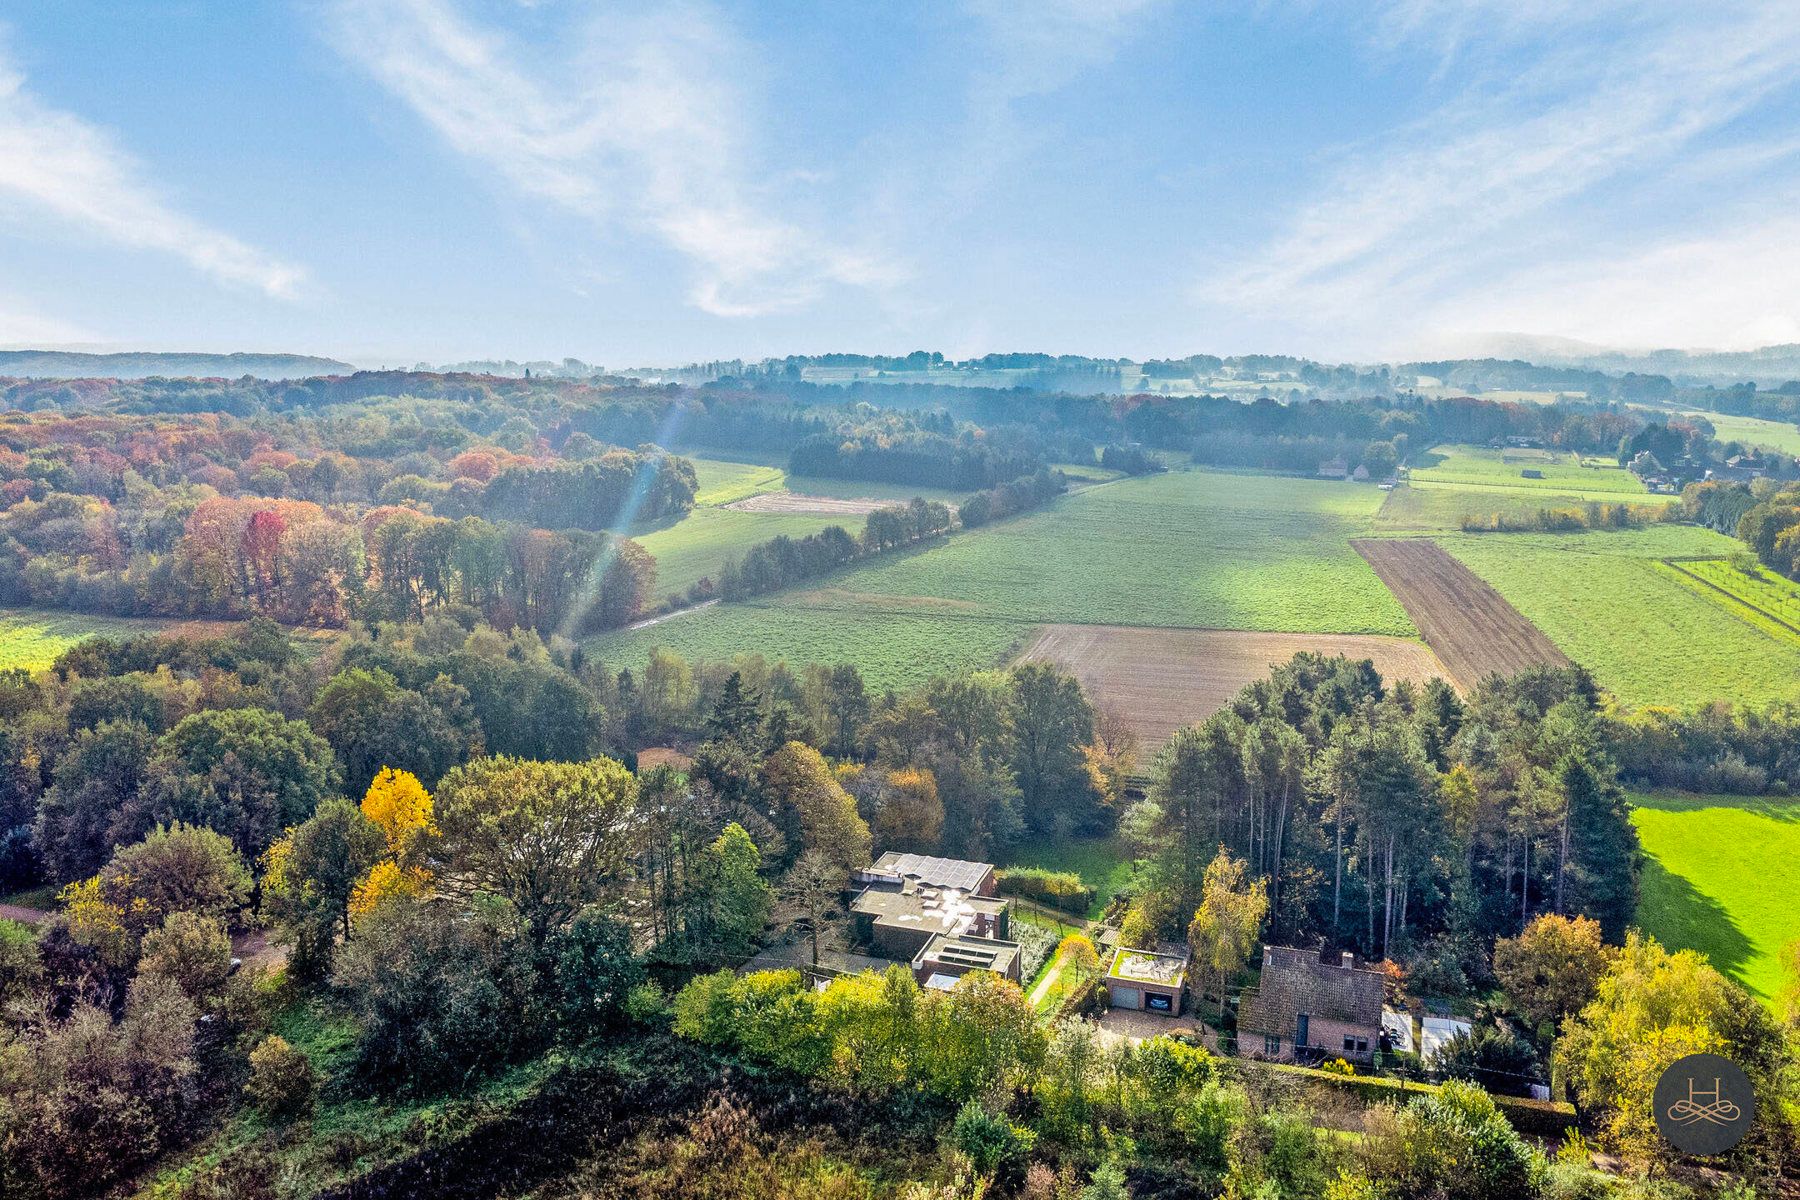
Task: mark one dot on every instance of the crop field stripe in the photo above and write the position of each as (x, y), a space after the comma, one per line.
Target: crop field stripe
(1715, 589)
(1472, 628)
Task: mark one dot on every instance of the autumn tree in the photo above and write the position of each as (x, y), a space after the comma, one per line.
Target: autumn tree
(1551, 970)
(550, 837)
(822, 811)
(1224, 930)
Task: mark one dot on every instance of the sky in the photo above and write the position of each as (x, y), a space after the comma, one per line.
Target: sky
(392, 181)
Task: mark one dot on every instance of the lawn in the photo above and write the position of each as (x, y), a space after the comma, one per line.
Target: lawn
(1102, 863)
(1608, 602)
(31, 639)
(1563, 473)
(1189, 549)
(1720, 876)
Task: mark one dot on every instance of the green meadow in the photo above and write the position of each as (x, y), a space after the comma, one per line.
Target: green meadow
(700, 543)
(1721, 875)
(895, 644)
(31, 639)
(1563, 474)
(1609, 602)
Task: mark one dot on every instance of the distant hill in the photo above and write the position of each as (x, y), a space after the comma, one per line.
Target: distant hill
(68, 364)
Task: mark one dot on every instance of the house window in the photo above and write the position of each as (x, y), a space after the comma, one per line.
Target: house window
(1271, 1045)
(1355, 1045)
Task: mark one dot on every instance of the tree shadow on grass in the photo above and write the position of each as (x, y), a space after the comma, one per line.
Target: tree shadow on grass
(1776, 808)
(1679, 916)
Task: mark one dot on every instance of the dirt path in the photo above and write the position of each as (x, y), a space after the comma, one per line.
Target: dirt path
(670, 616)
(822, 506)
(1473, 628)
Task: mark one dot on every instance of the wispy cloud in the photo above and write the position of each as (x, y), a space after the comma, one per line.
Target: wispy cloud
(21, 326)
(642, 129)
(1457, 203)
(54, 164)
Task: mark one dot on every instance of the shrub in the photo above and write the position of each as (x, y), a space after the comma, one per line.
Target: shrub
(191, 951)
(282, 1080)
(990, 1140)
(1059, 889)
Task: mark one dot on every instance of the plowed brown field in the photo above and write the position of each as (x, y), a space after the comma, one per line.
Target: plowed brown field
(1475, 632)
(1161, 680)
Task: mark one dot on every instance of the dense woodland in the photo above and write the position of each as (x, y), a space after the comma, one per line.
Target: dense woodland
(369, 803)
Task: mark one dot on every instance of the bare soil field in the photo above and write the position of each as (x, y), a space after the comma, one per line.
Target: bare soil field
(828, 506)
(1162, 680)
(1475, 632)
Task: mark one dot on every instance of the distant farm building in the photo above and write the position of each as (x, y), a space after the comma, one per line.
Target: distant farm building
(1334, 468)
(1308, 1008)
(1531, 473)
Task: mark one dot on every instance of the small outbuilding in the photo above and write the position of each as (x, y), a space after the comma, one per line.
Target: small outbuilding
(1146, 981)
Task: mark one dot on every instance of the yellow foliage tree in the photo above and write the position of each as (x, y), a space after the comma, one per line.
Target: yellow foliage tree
(398, 803)
(386, 879)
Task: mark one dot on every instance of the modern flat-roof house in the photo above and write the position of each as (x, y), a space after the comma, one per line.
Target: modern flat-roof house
(939, 915)
(1146, 980)
(1309, 1007)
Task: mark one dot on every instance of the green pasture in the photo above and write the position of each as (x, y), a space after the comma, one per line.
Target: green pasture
(1609, 602)
(1431, 506)
(31, 639)
(699, 544)
(1562, 473)
(894, 644)
(721, 482)
(1721, 874)
(1104, 864)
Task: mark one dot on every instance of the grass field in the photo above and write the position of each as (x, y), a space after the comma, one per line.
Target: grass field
(30, 639)
(722, 482)
(1431, 507)
(1563, 474)
(1720, 876)
(895, 645)
(1760, 596)
(1751, 431)
(1190, 549)
(700, 543)
(1608, 602)
(1103, 864)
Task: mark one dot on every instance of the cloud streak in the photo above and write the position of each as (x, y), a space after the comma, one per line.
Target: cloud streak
(646, 132)
(1474, 194)
(55, 164)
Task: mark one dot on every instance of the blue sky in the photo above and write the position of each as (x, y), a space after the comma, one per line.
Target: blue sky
(395, 180)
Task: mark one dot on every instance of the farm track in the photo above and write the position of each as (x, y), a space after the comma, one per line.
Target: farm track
(1163, 680)
(1474, 630)
(797, 503)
